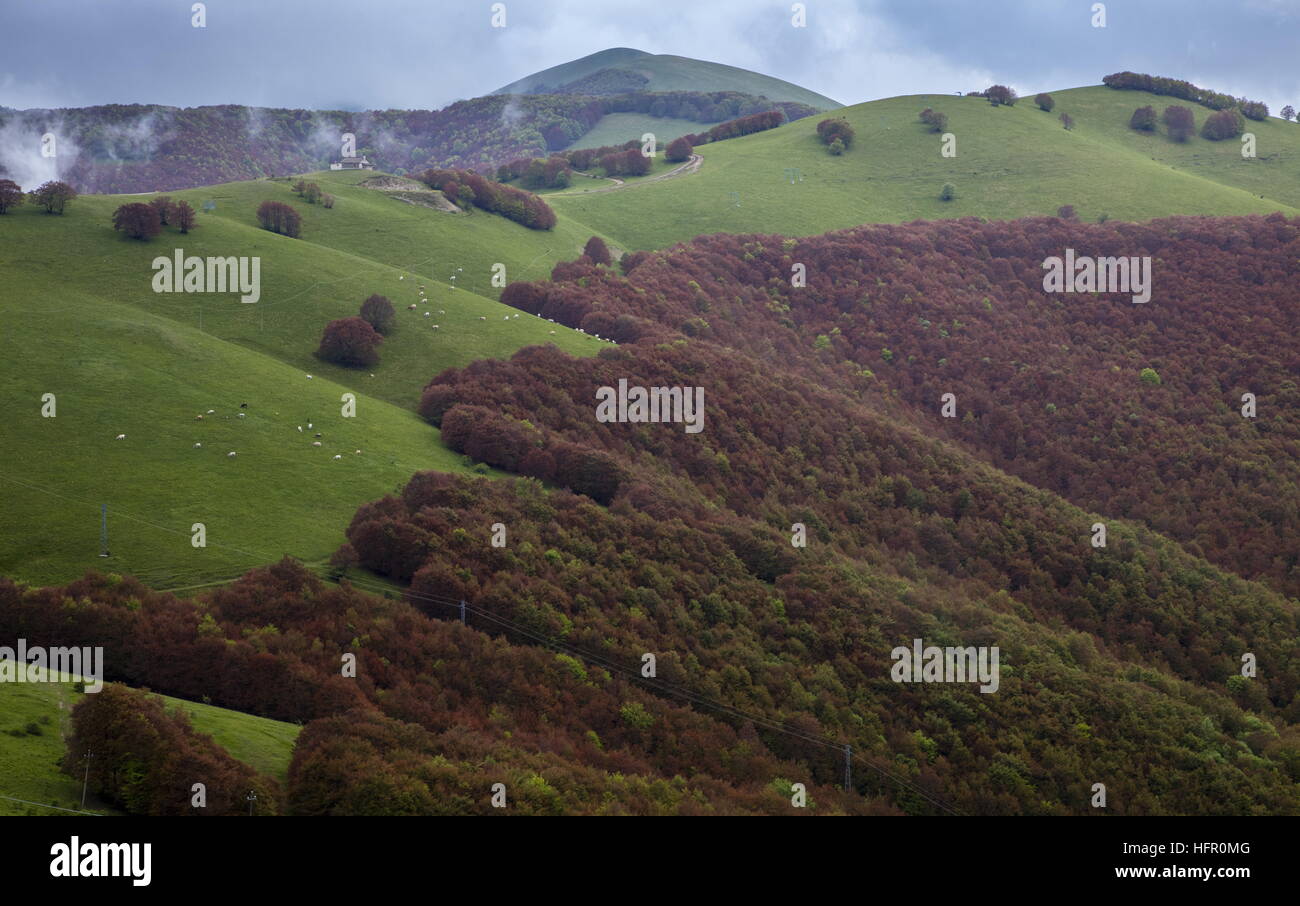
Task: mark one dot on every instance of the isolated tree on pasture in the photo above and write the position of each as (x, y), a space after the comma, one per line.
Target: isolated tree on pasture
(11, 195)
(1067, 121)
(185, 216)
(378, 312)
(1001, 94)
(1180, 121)
(351, 342)
(1288, 112)
(52, 196)
(1044, 101)
(139, 221)
(279, 217)
(165, 207)
(1222, 125)
(1143, 119)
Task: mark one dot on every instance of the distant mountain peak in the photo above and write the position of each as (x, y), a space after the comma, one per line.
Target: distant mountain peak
(663, 72)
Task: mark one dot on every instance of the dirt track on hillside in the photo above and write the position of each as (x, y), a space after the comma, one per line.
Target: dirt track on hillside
(689, 167)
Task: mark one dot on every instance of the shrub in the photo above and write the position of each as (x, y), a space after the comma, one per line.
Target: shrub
(678, 150)
(1143, 119)
(185, 216)
(465, 187)
(1254, 110)
(350, 342)
(52, 196)
(597, 251)
(836, 147)
(1066, 212)
(378, 312)
(1221, 125)
(1149, 376)
(11, 195)
(165, 207)
(139, 221)
(1067, 121)
(1180, 121)
(948, 192)
(279, 217)
(837, 128)
(1044, 102)
(1001, 94)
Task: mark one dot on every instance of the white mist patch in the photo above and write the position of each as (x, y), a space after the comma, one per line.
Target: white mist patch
(20, 151)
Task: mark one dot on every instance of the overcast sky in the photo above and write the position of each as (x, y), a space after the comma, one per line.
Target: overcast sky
(377, 54)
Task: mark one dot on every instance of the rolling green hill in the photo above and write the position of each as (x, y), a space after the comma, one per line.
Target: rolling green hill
(1011, 162)
(80, 321)
(29, 762)
(667, 72)
(617, 128)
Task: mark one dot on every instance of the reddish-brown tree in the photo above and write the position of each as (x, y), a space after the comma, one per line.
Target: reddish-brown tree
(165, 207)
(185, 216)
(351, 342)
(139, 221)
(53, 196)
(279, 217)
(11, 195)
(597, 252)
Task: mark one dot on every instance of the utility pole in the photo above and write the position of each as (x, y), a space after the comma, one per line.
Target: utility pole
(848, 767)
(251, 797)
(462, 610)
(103, 529)
(85, 781)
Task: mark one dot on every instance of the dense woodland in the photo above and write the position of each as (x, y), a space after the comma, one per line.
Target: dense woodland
(1120, 665)
(123, 148)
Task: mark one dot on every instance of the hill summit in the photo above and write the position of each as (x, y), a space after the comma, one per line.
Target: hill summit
(621, 69)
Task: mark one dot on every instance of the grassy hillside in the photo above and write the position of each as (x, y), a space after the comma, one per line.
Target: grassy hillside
(616, 128)
(1011, 162)
(667, 72)
(29, 763)
(81, 321)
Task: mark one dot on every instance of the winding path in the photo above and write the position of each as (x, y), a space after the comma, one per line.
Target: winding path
(690, 166)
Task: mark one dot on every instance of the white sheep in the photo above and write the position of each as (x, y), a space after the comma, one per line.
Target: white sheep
(241, 415)
(358, 452)
(300, 429)
(482, 318)
(401, 276)
(309, 377)
(435, 327)
(426, 314)
(336, 456)
(315, 443)
(210, 411)
(196, 446)
(411, 307)
(441, 311)
(231, 453)
(308, 424)
(120, 437)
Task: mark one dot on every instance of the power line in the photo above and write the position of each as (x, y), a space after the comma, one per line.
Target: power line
(672, 689)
